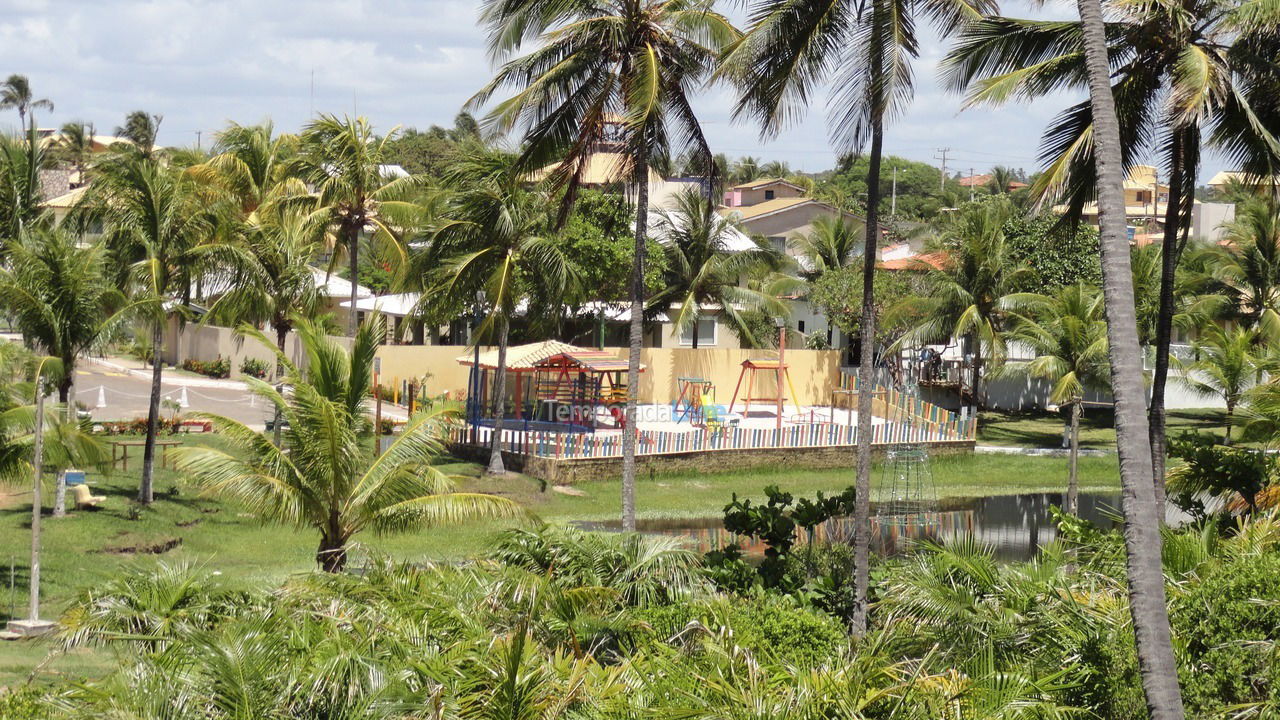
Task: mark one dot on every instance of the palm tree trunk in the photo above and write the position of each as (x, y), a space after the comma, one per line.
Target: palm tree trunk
(1073, 484)
(977, 371)
(1142, 523)
(630, 433)
(499, 394)
(1231, 409)
(866, 388)
(282, 334)
(37, 504)
(353, 252)
(1164, 320)
(66, 396)
(146, 491)
(331, 556)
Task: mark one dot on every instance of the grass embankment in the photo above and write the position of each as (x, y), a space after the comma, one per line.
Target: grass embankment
(88, 548)
(1097, 427)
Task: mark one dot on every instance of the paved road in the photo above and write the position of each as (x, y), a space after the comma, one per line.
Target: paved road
(120, 390)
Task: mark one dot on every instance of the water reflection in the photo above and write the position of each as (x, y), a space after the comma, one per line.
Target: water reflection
(1014, 525)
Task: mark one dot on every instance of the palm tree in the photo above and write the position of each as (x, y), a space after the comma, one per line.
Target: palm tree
(156, 226)
(967, 300)
(1227, 363)
(703, 268)
(1246, 273)
(1068, 335)
(606, 73)
(59, 295)
(866, 48)
(76, 145)
(495, 239)
(343, 162)
(327, 476)
(830, 245)
(1180, 71)
(141, 128)
(15, 93)
(1001, 178)
(21, 204)
(1147, 606)
(252, 164)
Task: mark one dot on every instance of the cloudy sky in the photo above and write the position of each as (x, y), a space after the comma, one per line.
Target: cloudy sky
(400, 62)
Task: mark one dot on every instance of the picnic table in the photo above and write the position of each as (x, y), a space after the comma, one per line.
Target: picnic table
(120, 451)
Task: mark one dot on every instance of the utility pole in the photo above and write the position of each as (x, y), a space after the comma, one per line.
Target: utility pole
(970, 184)
(893, 205)
(942, 182)
(199, 134)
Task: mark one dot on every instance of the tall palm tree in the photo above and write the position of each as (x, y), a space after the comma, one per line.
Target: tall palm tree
(1147, 606)
(1226, 364)
(606, 73)
(327, 476)
(495, 238)
(16, 94)
(157, 225)
(866, 48)
(1001, 178)
(832, 244)
(343, 160)
(141, 128)
(1181, 70)
(1068, 335)
(704, 268)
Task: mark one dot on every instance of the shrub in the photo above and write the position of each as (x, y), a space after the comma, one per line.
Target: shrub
(774, 628)
(21, 704)
(254, 367)
(1230, 624)
(219, 368)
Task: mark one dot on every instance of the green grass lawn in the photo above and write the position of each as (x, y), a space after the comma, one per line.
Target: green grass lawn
(1097, 427)
(88, 548)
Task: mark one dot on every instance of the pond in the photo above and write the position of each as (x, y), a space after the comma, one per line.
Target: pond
(1013, 525)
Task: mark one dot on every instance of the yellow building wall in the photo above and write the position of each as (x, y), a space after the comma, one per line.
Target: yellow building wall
(814, 373)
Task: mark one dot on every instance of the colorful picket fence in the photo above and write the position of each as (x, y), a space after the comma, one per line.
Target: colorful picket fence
(651, 442)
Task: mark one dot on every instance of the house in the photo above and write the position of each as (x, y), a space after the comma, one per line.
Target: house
(1221, 181)
(779, 211)
(982, 181)
(1146, 201)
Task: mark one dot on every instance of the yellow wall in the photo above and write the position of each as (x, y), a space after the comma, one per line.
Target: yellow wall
(813, 372)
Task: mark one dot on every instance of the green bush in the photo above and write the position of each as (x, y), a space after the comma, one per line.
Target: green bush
(1230, 625)
(21, 704)
(775, 628)
(219, 368)
(254, 367)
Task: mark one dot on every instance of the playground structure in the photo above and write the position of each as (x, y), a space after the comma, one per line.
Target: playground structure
(580, 389)
(694, 395)
(778, 368)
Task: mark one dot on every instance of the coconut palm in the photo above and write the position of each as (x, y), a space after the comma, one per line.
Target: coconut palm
(141, 128)
(494, 238)
(1180, 71)
(1000, 180)
(344, 163)
(968, 299)
(1246, 272)
(327, 477)
(832, 244)
(606, 73)
(60, 298)
(16, 94)
(1068, 336)
(1147, 606)
(252, 163)
(157, 228)
(1226, 364)
(866, 49)
(704, 268)
(21, 204)
(76, 145)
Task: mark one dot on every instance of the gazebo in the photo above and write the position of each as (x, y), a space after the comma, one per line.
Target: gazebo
(521, 366)
(579, 388)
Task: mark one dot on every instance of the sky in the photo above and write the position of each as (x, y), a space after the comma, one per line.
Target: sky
(411, 63)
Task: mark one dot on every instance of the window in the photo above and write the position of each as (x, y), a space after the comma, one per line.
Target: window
(778, 243)
(800, 326)
(706, 333)
(768, 194)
